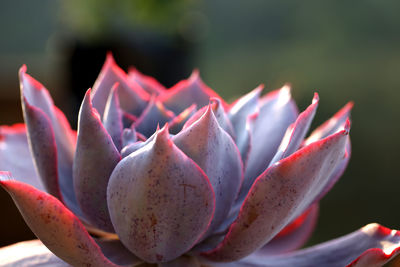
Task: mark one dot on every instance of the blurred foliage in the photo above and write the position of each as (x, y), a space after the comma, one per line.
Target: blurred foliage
(97, 18)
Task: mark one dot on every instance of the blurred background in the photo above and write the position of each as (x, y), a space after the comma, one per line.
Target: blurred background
(345, 50)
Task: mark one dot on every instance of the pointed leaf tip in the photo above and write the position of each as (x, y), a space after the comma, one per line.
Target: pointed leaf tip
(158, 192)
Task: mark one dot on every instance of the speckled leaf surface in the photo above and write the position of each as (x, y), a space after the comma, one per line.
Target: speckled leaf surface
(43, 147)
(279, 195)
(36, 95)
(160, 201)
(294, 235)
(56, 226)
(217, 155)
(371, 246)
(95, 159)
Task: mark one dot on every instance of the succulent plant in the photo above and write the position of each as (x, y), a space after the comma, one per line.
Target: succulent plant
(177, 177)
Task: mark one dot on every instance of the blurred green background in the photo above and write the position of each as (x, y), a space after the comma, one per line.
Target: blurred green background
(345, 50)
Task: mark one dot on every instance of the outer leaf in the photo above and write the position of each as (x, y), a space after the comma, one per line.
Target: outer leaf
(295, 134)
(43, 147)
(15, 156)
(277, 112)
(160, 201)
(148, 83)
(187, 92)
(55, 225)
(95, 159)
(279, 195)
(133, 98)
(112, 118)
(374, 245)
(34, 94)
(216, 153)
(294, 235)
(331, 125)
(154, 114)
(239, 114)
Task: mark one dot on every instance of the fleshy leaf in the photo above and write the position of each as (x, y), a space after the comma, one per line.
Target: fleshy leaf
(128, 136)
(371, 246)
(331, 125)
(279, 195)
(95, 159)
(43, 147)
(219, 114)
(187, 92)
(295, 133)
(112, 118)
(55, 225)
(154, 114)
(115, 251)
(277, 112)
(148, 83)
(133, 98)
(160, 201)
(35, 94)
(294, 235)
(216, 153)
(238, 114)
(15, 156)
(177, 123)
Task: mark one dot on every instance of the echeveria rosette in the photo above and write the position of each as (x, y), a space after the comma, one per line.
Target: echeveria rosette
(177, 177)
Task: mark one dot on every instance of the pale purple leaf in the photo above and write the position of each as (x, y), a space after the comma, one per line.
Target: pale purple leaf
(112, 118)
(295, 134)
(43, 147)
(371, 246)
(148, 83)
(332, 125)
(279, 195)
(294, 235)
(239, 114)
(187, 92)
(95, 159)
(15, 155)
(160, 201)
(55, 225)
(128, 136)
(217, 155)
(219, 113)
(133, 98)
(277, 112)
(36, 95)
(154, 114)
(116, 252)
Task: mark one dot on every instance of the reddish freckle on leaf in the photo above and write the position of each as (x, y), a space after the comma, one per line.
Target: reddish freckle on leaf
(253, 215)
(39, 198)
(153, 220)
(46, 218)
(159, 257)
